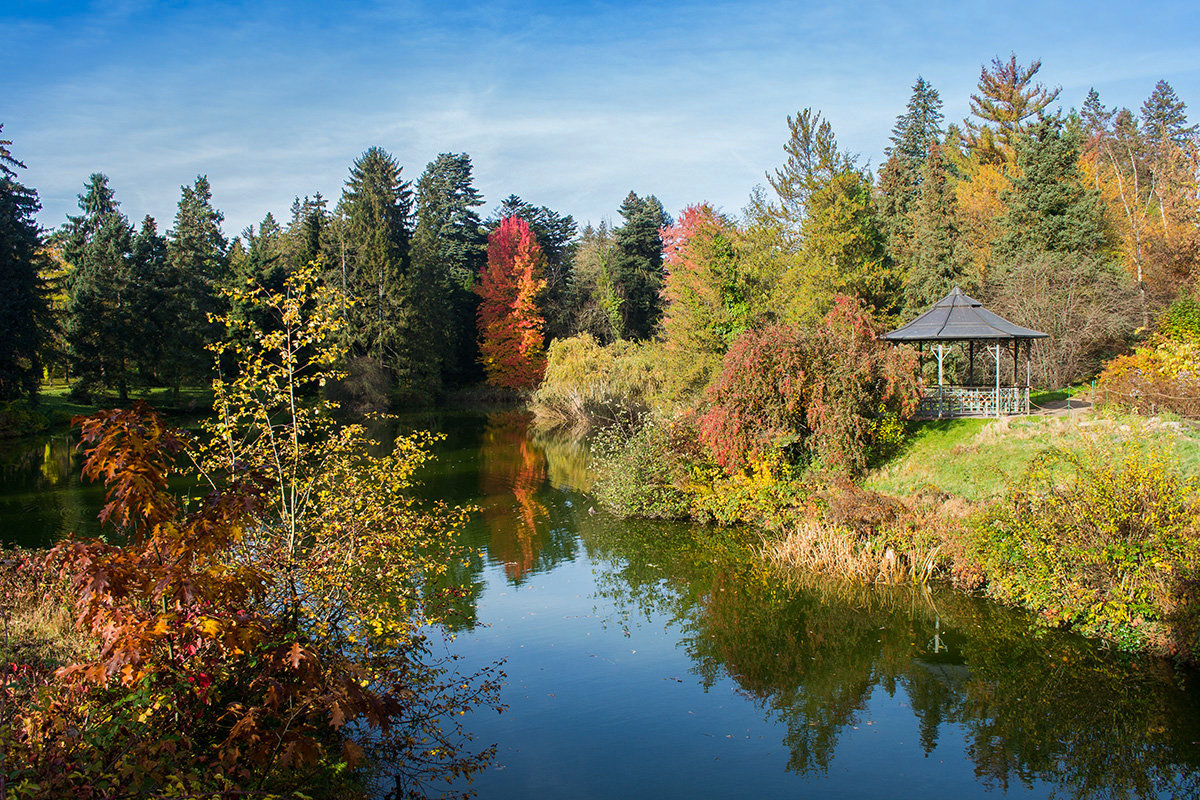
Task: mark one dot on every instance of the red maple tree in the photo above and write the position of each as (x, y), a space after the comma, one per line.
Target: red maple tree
(511, 344)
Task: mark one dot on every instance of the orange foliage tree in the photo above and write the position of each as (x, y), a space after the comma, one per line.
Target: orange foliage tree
(511, 344)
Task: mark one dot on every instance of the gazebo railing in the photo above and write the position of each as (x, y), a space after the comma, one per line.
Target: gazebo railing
(972, 401)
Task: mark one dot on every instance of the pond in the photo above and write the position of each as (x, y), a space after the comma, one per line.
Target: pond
(653, 659)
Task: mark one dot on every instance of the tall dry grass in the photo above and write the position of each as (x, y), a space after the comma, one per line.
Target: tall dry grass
(816, 546)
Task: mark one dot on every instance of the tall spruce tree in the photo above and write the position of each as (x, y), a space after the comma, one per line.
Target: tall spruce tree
(24, 313)
(916, 130)
(638, 264)
(377, 204)
(449, 250)
(1049, 208)
(937, 265)
(198, 267)
(153, 303)
(99, 323)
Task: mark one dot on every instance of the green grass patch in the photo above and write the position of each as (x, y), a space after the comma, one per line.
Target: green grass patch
(55, 402)
(971, 458)
(976, 458)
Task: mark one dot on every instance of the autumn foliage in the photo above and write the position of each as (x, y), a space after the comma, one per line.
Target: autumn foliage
(835, 394)
(511, 344)
(273, 635)
(705, 307)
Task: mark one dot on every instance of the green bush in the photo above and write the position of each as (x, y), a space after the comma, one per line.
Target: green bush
(647, 471)
(1182, 319)
(17, 418)
(1100, 538)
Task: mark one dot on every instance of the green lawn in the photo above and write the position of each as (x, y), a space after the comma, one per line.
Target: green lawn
(976, 458)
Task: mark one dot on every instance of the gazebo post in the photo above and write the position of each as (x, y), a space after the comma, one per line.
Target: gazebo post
(997, 357)
(971, 363)
(1028, 371)
(941, 354)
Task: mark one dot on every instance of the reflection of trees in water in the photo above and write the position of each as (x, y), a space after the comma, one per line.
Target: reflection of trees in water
(523, 532)
(1033, 705)
(567, 461)
(41, 495)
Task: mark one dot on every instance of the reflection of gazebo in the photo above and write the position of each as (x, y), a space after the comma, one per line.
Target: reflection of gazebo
(957, 318)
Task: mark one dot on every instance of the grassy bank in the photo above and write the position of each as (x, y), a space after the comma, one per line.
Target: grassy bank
(977, 459)
(55, 407)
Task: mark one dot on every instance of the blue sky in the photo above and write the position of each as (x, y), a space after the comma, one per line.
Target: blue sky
(567, 104)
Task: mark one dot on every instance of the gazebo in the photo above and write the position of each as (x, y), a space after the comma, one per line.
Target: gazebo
(958, 319)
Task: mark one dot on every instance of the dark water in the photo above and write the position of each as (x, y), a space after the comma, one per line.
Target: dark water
(657, 660)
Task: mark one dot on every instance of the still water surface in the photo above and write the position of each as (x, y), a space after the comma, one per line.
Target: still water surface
(656, 660)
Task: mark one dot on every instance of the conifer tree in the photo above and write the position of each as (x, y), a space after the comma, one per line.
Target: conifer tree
(24, 313)
(449, 250)
(1007, 101)
(154, 310)
(98, 323)
(916, 130)
(263, 265)
(1164, 120)
(1049, 208)
(936, 265)
(377, 205)
(638, 265)
(813, 159)
(199, 268)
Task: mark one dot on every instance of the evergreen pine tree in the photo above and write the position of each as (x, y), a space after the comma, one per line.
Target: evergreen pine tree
(377, 204)
(449, 250)
(198, 268)
(936, 263)
(264, 265)
(638, 265)
(1049, 208)
(98, 323)
(916, 130)
(1006, 102)
(152, 303)
(1164, 120)
(24, 314)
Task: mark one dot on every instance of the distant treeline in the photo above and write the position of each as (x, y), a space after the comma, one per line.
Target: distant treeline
(1084, 224)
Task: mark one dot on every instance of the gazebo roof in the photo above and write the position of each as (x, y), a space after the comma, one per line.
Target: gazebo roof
(957, 317)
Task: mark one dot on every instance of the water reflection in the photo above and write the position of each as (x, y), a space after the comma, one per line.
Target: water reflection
(1029, 705)
(525, 533)
(41, 496)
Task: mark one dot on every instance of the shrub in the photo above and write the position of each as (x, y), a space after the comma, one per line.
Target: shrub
(647, 471)
(768, 493)
(1182, 319)
(1096, 538)
(587, 385)
(836, 394)
(18, 419)
(1163, 376)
